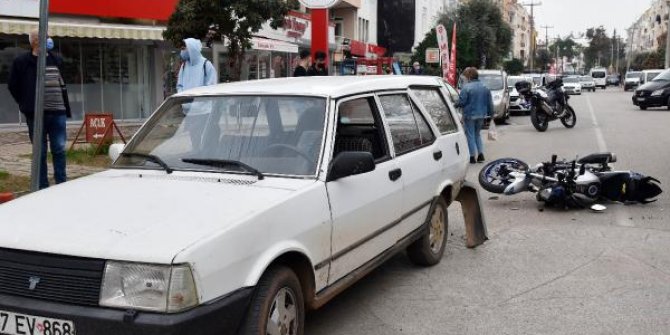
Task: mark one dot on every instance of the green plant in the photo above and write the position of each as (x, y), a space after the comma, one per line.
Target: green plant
(4, 174)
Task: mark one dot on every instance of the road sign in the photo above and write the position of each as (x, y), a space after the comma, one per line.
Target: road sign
(96, 127)
(319, 4)
(432, 55)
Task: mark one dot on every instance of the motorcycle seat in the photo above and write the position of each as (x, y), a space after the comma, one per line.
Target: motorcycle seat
(598, 158)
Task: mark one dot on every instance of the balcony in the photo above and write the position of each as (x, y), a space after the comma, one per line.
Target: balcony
(348, 4)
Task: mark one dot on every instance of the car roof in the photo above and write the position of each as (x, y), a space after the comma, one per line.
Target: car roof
(330, 86)
(490, 71)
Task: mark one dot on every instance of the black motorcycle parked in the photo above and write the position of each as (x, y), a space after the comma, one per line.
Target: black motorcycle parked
(547, 106)
(570, 184)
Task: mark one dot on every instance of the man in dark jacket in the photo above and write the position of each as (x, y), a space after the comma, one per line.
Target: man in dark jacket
(22, 84)
(319, 67)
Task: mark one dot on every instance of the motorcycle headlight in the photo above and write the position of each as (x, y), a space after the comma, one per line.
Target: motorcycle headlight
(156, 288)
(657, 93)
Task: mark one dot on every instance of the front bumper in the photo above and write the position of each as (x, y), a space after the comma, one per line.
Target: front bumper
(650, 101)
(517, 105)
(222, 316)
(572, 90)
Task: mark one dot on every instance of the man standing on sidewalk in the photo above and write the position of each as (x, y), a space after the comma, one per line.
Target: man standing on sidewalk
(22, 84)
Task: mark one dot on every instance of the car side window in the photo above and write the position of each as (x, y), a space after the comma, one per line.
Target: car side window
(409, 130)
(437, 108)
(359, 128)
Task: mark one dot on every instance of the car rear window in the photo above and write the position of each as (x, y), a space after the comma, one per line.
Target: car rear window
(409, 129)
(437, 108)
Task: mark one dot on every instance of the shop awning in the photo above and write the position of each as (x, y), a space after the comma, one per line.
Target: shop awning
(85, 30)
(258, 43)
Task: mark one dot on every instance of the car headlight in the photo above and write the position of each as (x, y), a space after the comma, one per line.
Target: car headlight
(156, 288)
(657, 93)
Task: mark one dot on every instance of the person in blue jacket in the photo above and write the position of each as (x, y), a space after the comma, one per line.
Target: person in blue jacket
(477, 105)
(196, 70)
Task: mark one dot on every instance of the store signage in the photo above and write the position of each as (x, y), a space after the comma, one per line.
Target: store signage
(316, 4)
(132, 9)
(272, 45)
(443, 43)
(432, 55)
(20, 8)
(295, 27)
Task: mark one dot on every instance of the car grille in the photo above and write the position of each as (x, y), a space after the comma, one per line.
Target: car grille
(642, 93)
(513, 99)
(66, 279)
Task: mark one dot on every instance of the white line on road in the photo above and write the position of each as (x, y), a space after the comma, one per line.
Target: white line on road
(599, 134)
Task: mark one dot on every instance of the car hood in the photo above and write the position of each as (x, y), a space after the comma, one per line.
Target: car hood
(654, 85)
(632, 80)
(571, 85)
(146, 216)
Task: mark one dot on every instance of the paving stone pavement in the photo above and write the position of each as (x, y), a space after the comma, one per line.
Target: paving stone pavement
(15, 150)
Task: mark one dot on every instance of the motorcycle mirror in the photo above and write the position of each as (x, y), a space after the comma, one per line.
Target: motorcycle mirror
(598, 208)
(582, 170)
(553, 159)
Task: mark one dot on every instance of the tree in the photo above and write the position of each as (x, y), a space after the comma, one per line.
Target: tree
(543, 59)
(232, 21)
(483, 38)
(514, 66)
(599, 51)
(566, 48)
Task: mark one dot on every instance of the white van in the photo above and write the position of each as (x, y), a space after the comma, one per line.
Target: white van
(649, 75)
(599, 75)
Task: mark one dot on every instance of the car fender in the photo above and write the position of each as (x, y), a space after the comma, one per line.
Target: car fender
(273, 253)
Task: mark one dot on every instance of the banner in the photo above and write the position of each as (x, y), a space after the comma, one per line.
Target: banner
(443, 44)
(451, 77)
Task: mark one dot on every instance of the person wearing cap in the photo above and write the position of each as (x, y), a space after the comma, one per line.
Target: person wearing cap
(22, 84)
(416, 69)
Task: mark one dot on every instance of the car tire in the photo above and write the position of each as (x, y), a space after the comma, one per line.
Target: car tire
(668, 104)
(278, 284)
(429, 248)
(644, 108)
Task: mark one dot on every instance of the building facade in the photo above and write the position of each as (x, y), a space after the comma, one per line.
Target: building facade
(403, 24)
(644, 34)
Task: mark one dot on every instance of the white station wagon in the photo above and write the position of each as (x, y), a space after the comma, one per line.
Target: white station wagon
(238, 207)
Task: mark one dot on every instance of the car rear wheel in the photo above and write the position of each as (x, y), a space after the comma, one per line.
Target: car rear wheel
(428, 250)
(277, 306)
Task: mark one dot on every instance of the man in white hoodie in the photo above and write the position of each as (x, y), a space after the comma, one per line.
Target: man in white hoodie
(196, 70)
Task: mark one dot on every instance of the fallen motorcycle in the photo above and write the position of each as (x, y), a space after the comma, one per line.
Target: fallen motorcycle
(570, 184)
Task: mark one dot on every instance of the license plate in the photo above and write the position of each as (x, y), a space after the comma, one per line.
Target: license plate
(641, 99)
(23, 324)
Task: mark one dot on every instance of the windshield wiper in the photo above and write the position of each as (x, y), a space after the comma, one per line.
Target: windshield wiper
(223, 163)
(152, 158)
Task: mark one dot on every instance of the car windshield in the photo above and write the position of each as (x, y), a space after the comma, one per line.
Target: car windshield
(537, 81)
(633, 75)
(653, 75)
(598, 74)
(570, 80)
(493, 82)
(239, 134)
(511, 81)
(586, 79)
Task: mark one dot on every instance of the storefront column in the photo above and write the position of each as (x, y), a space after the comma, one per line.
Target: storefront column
(320, 25)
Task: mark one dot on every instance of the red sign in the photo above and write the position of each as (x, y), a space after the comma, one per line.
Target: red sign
(377, 50)
(357, 48)
(132, 9)
(99, 128)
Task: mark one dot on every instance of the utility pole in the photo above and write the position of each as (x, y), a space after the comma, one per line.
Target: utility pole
(38, 119)
(532, 30)
(546, 34)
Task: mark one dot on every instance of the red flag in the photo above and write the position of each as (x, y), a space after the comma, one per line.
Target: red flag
(452, 60)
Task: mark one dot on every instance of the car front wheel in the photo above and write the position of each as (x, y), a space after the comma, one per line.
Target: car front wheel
(277, 306)
(428, 250)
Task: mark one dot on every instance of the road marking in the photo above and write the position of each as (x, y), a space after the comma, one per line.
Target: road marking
(599, 134)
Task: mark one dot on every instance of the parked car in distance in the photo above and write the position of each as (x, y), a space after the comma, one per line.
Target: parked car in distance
(655, 93)
(237, 207)
(588, 84)
(571, 85)
(496, 81)
(613, 80)
(649, 75)
(517, 103)
(632, 80)
(599, 75)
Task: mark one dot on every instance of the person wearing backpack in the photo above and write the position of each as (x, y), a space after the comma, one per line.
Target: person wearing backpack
(195, 71)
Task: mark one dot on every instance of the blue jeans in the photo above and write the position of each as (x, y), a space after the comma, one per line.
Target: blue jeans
(473, 128)
(54, 131)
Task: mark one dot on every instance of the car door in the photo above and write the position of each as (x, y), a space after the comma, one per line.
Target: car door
(450, 141)
(364, 207)
(417, 156)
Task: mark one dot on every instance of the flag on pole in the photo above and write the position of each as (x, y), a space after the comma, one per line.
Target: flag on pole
(451, 77)
(443, 44)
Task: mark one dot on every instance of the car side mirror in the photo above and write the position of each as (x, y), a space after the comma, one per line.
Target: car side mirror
(115, 150)
(349, 163)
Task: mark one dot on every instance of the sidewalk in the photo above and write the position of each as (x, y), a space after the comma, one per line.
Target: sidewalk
(16, 150)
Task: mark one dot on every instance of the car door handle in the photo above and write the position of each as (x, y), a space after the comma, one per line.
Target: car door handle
(437, 155)
(458, 149)
(395, 174)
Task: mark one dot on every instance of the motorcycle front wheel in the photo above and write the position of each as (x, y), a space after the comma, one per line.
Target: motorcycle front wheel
(570, 118)
(495, 176)
(539, 119)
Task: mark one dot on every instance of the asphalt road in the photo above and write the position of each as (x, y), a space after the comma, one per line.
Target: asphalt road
(541, 272)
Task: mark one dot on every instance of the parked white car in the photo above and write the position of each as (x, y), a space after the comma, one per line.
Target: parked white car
(572, 85)
(588, 84)
(517, 103)
(237, 207)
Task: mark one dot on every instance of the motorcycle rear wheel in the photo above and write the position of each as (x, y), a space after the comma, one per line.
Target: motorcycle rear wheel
(570, 118)
(494, 176)
(539, 119)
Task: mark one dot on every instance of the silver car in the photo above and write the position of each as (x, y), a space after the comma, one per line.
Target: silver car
(496, 81)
